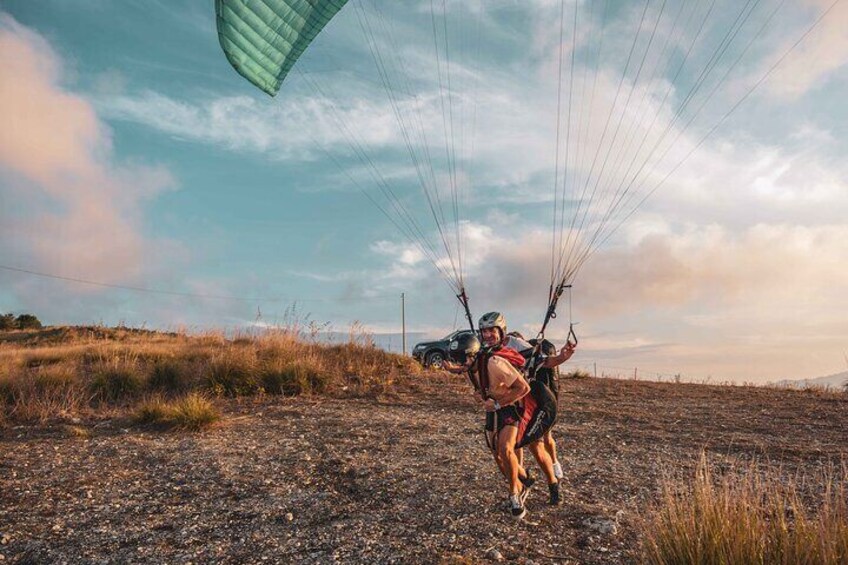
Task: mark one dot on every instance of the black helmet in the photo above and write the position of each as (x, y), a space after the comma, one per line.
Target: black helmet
(463, 348)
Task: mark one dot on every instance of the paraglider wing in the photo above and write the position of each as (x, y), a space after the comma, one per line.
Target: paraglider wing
(263, 39)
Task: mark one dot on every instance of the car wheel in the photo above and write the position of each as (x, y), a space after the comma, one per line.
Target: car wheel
(436, 360)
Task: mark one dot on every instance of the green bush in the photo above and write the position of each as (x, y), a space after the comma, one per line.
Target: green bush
(7, 322)
(27, 322)
(21, 322)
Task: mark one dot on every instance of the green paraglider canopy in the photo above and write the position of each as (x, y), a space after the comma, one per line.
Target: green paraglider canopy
(263, 39)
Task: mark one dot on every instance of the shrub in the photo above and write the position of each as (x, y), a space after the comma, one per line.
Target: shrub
(27, 322)
(233, 372)
(7, 322)
(747, 517)
(116, 381)
(7, 389)
(190, 412)
(168, 375)
(576, 374)
(193, 412)
(49, 392)
(303, 376)
(151, 411)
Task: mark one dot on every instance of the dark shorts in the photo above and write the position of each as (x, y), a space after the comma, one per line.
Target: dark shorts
(507, 416)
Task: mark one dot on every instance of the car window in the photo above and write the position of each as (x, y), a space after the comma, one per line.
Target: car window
(452, 336)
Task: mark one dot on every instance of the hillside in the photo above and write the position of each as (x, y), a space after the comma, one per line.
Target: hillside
(835, 381)
(397, 474)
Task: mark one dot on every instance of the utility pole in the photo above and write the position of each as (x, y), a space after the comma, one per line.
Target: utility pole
(403, 322)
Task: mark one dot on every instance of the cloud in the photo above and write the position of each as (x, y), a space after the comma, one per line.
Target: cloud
(69, 207)
(771, 296)
(736, 246)
(824, 51)
(297, 129)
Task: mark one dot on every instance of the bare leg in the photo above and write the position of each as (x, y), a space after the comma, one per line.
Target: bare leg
(550, 446)
(496, 454)
(537, 448)
(506, 448)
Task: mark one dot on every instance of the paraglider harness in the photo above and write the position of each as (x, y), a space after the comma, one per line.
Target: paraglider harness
(539, 411)
(540, 405)
(534, 416)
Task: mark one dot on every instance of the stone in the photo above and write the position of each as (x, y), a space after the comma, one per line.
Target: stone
(600, 525)
(494, 555)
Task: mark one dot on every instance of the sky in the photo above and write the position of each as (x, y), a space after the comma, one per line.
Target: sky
(133, 155)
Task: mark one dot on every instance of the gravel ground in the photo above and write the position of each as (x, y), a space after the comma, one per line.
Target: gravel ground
(400, 478)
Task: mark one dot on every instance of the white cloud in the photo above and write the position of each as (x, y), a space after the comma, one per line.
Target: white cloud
(824, 51)
(771, 295)
(742, 242)
(69, 207)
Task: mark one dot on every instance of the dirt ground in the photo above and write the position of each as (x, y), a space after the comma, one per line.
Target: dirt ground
(403, 478)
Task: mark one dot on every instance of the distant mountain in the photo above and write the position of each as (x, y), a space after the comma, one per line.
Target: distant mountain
(836, 381)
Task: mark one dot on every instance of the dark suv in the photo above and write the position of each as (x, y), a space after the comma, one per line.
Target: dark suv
(433, 353)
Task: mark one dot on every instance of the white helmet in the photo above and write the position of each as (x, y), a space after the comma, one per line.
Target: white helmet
(493, 320)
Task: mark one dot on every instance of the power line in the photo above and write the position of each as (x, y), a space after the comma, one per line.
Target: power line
(176, 292)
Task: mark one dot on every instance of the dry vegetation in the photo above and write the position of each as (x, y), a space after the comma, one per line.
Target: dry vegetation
(76, 373)
(315, 453)
(749, 515)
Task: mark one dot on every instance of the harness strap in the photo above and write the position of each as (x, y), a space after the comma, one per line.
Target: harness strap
(483, 376)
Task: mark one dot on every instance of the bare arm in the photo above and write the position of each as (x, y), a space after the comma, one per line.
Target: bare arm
(564, 355)
(459, 369)
(516, 391)
(452, 367)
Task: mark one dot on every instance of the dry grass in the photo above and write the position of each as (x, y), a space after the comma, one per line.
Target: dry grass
(190, 412)
(577, 374)
(62, 373)
(749, 516)
(39, 394)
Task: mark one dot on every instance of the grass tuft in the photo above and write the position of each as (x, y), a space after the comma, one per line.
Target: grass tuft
(48, 392)
(577, 374)
(190, 412)
(747, 517)
(117, 382)
(76, 431)
(233, 372)
(303, 376)
(168, 375)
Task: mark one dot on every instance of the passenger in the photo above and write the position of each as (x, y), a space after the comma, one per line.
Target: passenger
(495, 371)
(550, 377)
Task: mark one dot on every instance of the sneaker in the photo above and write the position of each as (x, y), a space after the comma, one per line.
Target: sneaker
(526, 484)
(553, 489)
(516, 506)
(558, 471)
